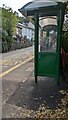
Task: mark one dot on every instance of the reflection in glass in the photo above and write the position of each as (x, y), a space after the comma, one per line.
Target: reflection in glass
(48, 34)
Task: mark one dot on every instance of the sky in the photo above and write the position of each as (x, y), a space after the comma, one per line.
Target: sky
(14, 4)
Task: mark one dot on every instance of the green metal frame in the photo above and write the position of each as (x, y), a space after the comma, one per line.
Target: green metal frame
(36, 46)
(59, 13)
(60, 24)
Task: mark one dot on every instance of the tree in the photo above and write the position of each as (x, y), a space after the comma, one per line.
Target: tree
(9, 21)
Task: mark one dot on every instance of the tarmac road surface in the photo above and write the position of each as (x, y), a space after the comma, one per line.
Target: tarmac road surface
(14, 59)
(21, 97)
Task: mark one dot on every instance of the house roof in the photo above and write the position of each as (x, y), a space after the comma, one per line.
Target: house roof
(29, 25)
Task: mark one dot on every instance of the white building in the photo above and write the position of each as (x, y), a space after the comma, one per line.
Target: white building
(26, 30)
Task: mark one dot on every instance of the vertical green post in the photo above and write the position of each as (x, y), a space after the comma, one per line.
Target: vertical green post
(60, 24)
(36, 46)
(59, 43)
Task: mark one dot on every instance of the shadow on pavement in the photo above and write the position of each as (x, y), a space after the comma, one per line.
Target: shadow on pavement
(30, 95)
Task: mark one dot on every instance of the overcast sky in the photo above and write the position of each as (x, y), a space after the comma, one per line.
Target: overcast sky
(14, 4)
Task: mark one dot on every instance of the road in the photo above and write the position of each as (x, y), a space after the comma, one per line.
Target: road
(14, 59)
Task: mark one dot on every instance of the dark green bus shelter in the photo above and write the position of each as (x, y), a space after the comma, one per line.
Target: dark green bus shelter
(48, 18)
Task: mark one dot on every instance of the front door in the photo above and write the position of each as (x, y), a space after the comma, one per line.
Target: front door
(47, 47)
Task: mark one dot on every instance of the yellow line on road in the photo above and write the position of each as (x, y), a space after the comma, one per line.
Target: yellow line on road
(11, 69)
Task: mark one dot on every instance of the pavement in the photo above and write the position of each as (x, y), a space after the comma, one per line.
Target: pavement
(22, 97)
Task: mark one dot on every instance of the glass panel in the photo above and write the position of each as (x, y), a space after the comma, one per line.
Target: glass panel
(47, 34)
